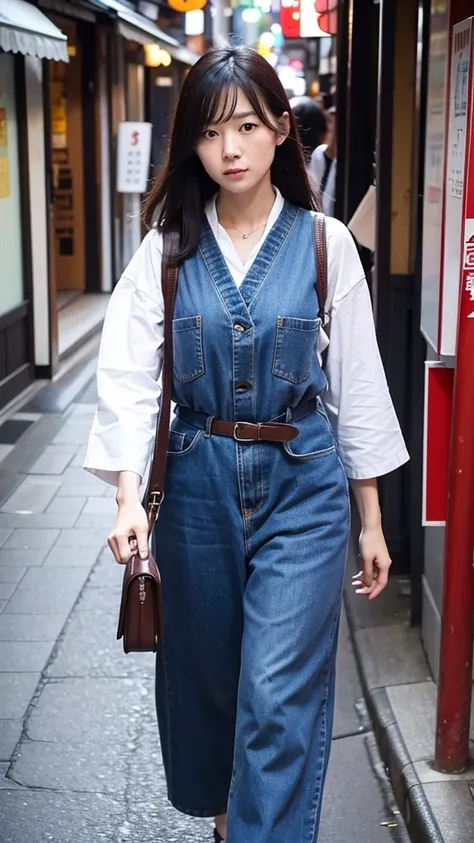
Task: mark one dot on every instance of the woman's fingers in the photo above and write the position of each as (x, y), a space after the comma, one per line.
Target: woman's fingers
(122, 545)
(129, 534)
(141, 534)
(372, 580)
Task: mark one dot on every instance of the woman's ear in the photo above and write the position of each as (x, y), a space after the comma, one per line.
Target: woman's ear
(283, 128)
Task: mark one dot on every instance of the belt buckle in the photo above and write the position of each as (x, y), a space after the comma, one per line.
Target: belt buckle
(240, 438)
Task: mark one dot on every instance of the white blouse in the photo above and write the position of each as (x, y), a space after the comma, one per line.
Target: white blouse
(357, 400)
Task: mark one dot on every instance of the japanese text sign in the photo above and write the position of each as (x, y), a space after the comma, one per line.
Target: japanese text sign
(133, 157)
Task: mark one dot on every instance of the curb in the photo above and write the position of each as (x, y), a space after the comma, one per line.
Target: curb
(408, 790)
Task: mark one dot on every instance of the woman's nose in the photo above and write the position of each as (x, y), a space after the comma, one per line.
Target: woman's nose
(231, 148)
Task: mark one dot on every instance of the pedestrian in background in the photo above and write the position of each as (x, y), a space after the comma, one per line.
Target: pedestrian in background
(323, 166)
(253, 530)
(311, 122)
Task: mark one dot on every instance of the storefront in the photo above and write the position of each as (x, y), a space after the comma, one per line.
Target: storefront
(149, 66)
(78, 159)
(26, 37)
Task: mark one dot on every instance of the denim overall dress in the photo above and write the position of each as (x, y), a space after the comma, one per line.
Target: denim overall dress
(251, 543)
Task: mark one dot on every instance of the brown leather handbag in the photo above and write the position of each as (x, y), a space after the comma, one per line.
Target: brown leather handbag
(141, 619)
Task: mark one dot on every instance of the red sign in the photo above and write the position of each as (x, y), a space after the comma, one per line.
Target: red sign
(308, 18)
(439, 382)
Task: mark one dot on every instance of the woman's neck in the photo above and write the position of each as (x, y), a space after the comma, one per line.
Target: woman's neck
(247, 210)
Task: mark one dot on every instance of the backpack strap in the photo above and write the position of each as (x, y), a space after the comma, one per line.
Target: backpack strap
(320, 250)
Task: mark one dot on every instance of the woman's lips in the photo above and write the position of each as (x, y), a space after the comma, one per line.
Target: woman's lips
(235, 174)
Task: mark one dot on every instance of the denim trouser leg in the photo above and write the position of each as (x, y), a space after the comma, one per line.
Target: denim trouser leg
(201, 556)
(286, 692)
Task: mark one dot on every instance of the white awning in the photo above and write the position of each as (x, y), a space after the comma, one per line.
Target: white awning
(24, 29)
(136, 27)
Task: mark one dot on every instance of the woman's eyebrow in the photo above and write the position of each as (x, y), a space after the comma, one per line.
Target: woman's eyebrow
(241, 115)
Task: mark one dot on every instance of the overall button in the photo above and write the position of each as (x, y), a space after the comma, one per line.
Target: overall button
(243, 386)
(240, 328)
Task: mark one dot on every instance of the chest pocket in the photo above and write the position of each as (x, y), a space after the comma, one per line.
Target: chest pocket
(295, 348)
(188, 360)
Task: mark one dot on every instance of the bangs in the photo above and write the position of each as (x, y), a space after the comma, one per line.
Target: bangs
(220, 97)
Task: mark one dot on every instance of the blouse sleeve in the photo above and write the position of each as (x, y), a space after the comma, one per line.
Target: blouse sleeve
(129, 368)
(357, 401)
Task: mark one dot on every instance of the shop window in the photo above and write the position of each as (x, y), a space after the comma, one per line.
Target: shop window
(11, 245)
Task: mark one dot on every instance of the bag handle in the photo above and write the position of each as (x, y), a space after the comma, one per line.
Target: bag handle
(320, 249)
(155, 492)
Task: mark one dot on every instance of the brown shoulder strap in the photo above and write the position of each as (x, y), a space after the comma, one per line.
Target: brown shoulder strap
(320, 249)
(169, 281)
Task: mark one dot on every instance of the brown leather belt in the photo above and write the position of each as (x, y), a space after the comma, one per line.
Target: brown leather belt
(250, 432)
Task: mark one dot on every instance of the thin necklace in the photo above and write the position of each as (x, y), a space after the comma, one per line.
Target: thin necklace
(249, 233)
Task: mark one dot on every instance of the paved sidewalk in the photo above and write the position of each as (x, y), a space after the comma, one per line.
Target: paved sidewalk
(79, 749)
(401, 697)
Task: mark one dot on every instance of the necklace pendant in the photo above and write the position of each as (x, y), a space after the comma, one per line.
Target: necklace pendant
(244, 236)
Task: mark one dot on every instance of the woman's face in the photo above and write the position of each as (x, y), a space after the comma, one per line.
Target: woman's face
(238, 153)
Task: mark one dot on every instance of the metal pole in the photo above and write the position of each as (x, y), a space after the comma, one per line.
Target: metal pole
(457, 626)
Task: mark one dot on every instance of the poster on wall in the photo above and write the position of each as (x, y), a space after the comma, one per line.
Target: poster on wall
(460, 91)
(4, 165)
(433, 173)
(458, 113)
(3, 128)
(4, 177)
(133, 157)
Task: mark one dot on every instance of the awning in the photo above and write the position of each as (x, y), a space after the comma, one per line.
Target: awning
(136, 27)
(24, 29)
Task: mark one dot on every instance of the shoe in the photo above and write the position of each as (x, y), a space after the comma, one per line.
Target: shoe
(217, 837)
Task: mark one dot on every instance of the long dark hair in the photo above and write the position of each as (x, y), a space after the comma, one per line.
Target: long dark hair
(179, 194)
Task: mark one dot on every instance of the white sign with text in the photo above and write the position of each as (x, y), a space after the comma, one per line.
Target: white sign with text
(133, 157)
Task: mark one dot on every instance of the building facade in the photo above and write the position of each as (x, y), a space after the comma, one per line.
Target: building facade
(70, 74)
(413, 117)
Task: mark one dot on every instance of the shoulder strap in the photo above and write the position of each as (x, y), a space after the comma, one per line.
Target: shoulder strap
(320, 249)
(169, 281)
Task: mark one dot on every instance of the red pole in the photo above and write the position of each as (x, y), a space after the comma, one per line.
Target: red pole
(455, 675)
(457, 625)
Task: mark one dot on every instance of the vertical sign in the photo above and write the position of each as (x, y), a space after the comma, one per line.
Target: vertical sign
(455, 183)
(434, 174)
(133, 157)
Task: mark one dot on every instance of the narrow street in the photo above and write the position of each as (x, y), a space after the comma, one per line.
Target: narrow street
(79, 751)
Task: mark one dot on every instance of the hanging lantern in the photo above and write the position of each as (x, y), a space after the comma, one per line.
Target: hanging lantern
(186, 5)
(327, 15)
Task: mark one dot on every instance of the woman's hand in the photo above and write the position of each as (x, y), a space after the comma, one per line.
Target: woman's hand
(129, 533)
(373, 550)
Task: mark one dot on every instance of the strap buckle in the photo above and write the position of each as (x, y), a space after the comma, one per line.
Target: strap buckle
(246, 425)
(155, 499)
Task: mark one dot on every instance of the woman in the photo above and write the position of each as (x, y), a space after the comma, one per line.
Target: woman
(311, 123)
(252, 536)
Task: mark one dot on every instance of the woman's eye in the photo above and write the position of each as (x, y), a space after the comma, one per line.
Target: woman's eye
(210, 133)
(247, 127)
